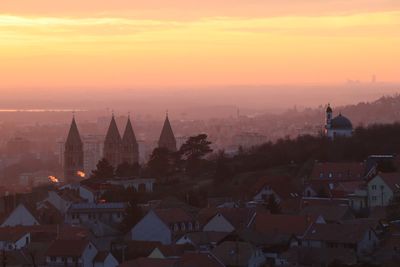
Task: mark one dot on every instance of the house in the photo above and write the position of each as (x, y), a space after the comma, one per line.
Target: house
(338, 171)
(331, 214)
(308, 256)
(13, 238)
(21, 215)
(199, 259)
(71, 253)
(356, 192)
(360, 238)
(164, 225)
(63, 199)
(202, 241)
(280, 187)
(283, 224)
(138, 184)
(169, 251)
(94, 191)
(88, 212)
(225, 219)
(232, 253)
(381, 189)
(149, 262)
(105, 259)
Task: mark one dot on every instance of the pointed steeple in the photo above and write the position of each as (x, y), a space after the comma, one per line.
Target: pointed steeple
(113, 133)
(112, 144)
(73, 153)
(167, 138)
(129, 134)
(73, 134)
(130, 147)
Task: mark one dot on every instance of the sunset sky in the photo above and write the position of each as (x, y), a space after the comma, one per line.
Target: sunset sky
(179, 43)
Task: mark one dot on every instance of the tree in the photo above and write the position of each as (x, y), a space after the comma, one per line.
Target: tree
(196, 147)
(127, 170)
(133, 214)
(222, 171)
(162, 162)
(104, 170)
(193, 151)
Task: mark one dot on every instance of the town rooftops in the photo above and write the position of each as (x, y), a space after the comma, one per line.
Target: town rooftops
(238, 217)
(233, 253)
(281, 185)
(67, 248)
(173, 215)
(11, 234)
(267, 223)
(329, 213)
(112, 206)
(342, 233)
(338, 171)
(149, 262)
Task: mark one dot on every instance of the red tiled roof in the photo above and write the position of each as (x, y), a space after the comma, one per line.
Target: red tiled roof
(343, 233)
(238, 217)
(173, 215)
(149, 262)
(67, 248)
(198, 259)
(339, 171)
(282, 185)
(267, 223)
(11, 234)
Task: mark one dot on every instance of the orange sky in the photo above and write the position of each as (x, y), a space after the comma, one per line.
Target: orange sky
(148, 43)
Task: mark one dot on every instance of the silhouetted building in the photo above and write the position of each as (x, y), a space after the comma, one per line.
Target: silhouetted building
(167, 138)
(73, 153)
(338, 126)
(130, 147)
(112, 144)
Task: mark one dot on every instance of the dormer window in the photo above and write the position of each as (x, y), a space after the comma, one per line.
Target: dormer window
(183, 227)
(190, 226)
(176, 227)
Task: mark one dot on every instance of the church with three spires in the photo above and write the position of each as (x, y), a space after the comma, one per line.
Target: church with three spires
(116, 149)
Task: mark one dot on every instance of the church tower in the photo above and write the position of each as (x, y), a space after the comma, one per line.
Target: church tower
(112, 144)
(328, 122)
(167, 138)
(130, 147)
(73, 153)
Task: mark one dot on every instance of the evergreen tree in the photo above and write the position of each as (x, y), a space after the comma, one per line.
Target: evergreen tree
(104, 170)
(222, 171)
(193, 151)
(161, 162)
(127, 170)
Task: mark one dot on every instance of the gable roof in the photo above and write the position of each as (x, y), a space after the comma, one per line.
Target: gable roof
(267, 223)
(343, 233)
(67, 248)
(233, 253)
(199, 259)
(205, 238)
(392, 180)
(282, 186)
(9, 234)
(329, 213)
(338, 171)
(149, 262)
(173, 215)
(238, 217)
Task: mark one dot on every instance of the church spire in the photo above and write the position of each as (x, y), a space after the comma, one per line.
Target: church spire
(130, 147)
(112, 144)
(73, 153)
(167, 138)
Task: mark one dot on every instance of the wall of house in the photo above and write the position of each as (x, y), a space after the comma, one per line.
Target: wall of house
(368, 243)
(218, 224)
(58, 202)
(85, 193)
(257, 259)
(264, 193)
(20, 216)
(88, 255)
(75, 217)
(331, 133)
(151, 228)
(379, 194)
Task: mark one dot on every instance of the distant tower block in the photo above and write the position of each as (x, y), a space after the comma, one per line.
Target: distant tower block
(73, 153)
(112, 144)
(130, 147)
(167, 138)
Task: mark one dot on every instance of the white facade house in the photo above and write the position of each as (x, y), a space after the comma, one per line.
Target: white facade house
(138, 184)
(105, 259)
(340, 126)
(71, 253)
(381, 189)
(20, 216)
(79, 213)
(218, 223)
(13, 240)
(163, 225)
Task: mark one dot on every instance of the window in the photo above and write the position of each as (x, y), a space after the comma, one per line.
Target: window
(321, 175)
(373, 187)
(52, 258)
(330, 175)
(190, 226)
